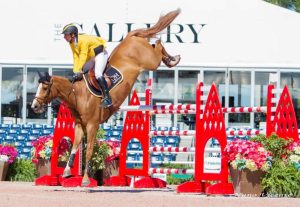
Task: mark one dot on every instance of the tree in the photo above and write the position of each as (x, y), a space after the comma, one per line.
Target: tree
(289, 4)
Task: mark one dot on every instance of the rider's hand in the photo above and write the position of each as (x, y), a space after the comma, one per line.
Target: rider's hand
(76, 76)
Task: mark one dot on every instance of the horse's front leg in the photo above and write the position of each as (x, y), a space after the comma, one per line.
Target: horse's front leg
(91, 136)
(78, 137)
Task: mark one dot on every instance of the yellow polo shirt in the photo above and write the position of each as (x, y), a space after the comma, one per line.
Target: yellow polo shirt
(84, 50)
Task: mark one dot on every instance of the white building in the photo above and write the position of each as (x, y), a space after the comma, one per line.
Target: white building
(239, 45)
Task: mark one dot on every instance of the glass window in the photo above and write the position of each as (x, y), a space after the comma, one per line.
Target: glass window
(292, 80)
(32, 85)
(262, 80)
(217, 77)
(187, 84)
(163, 93)
(12, 98)
(239, 95)
(65, 72)
(140, 84)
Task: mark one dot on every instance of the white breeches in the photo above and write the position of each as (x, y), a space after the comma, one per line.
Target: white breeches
(100, 63)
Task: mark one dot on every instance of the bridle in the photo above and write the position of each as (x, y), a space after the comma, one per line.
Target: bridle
(43, 101)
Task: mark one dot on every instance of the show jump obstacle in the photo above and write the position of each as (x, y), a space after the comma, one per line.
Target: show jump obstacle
(210, 123)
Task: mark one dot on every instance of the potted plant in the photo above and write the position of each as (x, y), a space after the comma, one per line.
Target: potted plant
(277, 158)
(8, 154)
(283, 179)
(248, 162)
(104, 162)
(41, 154)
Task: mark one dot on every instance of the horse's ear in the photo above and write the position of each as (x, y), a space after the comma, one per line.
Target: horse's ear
(48, 77)
(40, 74)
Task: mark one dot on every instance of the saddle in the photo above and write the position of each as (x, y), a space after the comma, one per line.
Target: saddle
(112, 73)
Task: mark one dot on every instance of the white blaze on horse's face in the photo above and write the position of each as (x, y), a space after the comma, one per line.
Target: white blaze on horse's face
(36, 105)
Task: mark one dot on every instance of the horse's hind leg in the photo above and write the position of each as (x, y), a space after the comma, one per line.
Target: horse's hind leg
(78, 137)
(168, 59)
(91, 136)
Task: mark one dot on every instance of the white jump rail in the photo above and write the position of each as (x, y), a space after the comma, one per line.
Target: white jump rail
(248, 132)
(175, 150)
(170, 107)
(190, 109)
(161, 162)
(171, 171)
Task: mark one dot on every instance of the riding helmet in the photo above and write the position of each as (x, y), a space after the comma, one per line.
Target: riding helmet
(70, 29)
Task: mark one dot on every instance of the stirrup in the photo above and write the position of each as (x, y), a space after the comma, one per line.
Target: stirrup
(106, 102)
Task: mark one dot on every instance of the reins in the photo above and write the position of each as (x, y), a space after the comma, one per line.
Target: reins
(44, 101)
(73, 90)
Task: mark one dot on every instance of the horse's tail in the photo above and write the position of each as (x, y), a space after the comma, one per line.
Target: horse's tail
(163, 22)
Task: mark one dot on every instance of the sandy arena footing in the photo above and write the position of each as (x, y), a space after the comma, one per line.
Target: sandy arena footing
(26, 194)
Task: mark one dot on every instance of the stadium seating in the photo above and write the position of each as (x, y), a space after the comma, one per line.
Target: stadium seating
(22, 135)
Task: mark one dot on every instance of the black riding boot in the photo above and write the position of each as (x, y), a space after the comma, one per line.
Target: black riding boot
(106, 101)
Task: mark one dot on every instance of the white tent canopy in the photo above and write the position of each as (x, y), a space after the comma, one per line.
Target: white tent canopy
(227, 32)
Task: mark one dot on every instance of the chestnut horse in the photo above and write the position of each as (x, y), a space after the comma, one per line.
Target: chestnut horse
(133, 55)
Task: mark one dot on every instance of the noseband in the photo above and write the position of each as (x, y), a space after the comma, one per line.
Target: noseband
(44, 100)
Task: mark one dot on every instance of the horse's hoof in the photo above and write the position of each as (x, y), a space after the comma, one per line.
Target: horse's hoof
(171, 61)
(85, 183)
(67, 173)
(175, 60)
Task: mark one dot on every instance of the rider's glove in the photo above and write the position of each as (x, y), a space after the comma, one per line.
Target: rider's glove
(76, 76)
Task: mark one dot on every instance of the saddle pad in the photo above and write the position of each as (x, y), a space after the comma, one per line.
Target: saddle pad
(114, 75)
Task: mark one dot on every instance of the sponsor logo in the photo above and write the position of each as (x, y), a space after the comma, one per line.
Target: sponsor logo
(115, 78)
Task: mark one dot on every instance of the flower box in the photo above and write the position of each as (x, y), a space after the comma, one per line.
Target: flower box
(111, 169)
(43, 167)
(3, 170)
(246, 182)
(8, 154)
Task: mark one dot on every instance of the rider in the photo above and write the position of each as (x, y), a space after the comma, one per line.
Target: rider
(84, 47)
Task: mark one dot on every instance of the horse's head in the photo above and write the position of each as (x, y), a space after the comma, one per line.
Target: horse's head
(43, 95)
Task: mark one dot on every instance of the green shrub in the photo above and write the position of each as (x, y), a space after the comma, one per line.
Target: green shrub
(282, 180)
(275, 145)
(171, 180)
(100, 134)
(100, 153)
(175, 179)
(21, 170)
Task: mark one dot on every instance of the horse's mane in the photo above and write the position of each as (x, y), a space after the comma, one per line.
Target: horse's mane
(163, 22)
